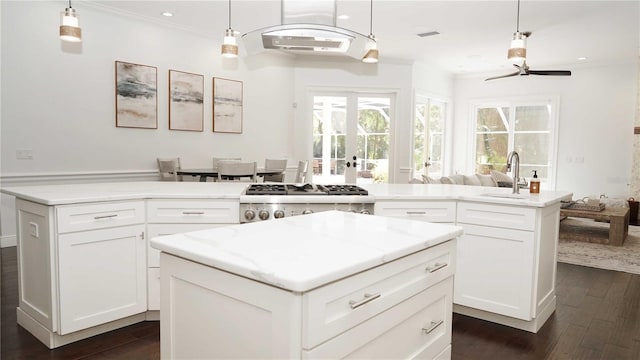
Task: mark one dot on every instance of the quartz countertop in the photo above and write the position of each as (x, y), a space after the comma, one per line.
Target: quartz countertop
(83, 193)
(487, 194)
(91, 192)
(304, 252)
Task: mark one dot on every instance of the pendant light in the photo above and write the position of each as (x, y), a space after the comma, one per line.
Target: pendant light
(229, 45)
(518, 48)
(69, 25)
(371, 56)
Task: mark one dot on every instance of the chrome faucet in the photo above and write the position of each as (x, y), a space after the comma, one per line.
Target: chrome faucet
(516, 170)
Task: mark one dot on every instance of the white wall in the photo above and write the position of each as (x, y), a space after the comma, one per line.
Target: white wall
(59, 103)
(596, 118)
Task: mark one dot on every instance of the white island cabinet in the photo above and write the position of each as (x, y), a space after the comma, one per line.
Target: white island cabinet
(326, 285)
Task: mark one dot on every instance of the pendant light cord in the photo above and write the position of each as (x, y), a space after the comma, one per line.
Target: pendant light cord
(69, 4)
(230, 12)
(517, 18)
(370, 19)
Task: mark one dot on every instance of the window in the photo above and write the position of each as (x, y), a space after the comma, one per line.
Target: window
(428, 137)
(529, 128)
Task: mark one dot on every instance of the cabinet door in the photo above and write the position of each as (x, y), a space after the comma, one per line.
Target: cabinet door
(102, 276)
(495, 270)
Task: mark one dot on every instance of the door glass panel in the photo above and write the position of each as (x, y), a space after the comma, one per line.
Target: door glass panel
(374, 123)
(329, 137)
(428, 137)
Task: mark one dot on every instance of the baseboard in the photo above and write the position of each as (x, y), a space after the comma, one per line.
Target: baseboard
(8, 241)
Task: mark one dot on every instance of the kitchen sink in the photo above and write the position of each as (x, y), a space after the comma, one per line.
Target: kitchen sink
(507, 196)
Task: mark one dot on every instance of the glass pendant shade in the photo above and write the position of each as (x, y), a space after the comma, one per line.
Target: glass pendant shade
(371, 56)
(229, 45)
(69, 26)
(518, 48)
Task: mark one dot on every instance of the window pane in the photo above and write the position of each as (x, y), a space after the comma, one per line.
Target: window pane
(532, 148)
(491, 152)
(493, 119)
(533, 118)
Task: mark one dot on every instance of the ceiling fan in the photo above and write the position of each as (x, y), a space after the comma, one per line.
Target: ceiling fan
(518, 52)
(523, 70)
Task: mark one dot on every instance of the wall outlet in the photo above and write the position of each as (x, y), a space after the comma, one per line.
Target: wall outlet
(24, 154)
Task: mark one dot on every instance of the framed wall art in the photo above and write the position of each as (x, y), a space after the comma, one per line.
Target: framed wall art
(136, 96)
(186, 101)
(227, 106)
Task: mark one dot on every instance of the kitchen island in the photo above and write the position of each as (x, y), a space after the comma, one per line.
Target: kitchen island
(326, 285)
(506, 257)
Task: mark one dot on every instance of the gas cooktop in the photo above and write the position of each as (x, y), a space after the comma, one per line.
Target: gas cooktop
(304, 189)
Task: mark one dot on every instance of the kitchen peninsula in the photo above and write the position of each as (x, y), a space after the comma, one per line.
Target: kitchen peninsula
(506, 256)
(327, 285)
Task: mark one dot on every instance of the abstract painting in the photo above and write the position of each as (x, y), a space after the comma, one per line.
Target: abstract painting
(227, 106)
(186, 101)
(136, 96)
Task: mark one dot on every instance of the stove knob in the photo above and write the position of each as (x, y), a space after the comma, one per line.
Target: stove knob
(365, 212)
(249, 214)
(278, 214)
(263, 214)
(307, 211)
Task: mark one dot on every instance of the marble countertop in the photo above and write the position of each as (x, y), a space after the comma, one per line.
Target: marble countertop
(496, 195)
(91, 192)
(82, 193)
(305, 252)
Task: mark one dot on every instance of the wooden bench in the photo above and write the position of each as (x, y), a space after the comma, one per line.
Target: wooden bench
(618, 219)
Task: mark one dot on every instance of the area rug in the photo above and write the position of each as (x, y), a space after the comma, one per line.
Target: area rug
(619, 258)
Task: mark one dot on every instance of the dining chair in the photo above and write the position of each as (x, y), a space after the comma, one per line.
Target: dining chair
(237, 171)
(271, 164)
(217, 160)
(168, 167)
(301, 173)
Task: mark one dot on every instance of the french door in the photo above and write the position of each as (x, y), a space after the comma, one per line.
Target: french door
(351, 137)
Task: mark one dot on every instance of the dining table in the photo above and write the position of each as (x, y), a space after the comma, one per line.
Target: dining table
(205, 173)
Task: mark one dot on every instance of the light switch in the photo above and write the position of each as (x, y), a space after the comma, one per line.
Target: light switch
(33, 230)
(24, 154)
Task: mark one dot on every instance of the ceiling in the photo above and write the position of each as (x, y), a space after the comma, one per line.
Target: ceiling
(474, 35)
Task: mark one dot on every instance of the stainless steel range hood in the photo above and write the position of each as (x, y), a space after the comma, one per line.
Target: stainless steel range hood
(308, 27)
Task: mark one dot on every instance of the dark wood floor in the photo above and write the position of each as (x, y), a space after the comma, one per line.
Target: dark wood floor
(597, 317)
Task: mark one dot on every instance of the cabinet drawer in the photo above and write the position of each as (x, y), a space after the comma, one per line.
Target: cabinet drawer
(432, 211)
(95, 216)
(337, 307)
(193, 211)
(510, 217)
(419, 327)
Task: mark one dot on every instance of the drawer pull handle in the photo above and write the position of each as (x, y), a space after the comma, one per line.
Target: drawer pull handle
(434, 325)
(416, 212)
(105, 216)
(193, 213)
(367, 298)
(436, 267)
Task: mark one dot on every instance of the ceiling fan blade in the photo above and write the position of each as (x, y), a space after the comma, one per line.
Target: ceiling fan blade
(550, 72)
(503, 76)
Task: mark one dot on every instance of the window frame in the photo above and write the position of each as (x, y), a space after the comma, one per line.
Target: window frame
(512, 103)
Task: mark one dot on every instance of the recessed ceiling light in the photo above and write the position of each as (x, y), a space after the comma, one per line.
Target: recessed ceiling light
(582, 58)
(167, 14)
(343, 17)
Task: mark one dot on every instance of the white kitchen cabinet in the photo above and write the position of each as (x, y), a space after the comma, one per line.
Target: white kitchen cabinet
(406, 312)
(81, 266)
(438, 211)
(506, 263)
(168, 217)
(102, 276)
